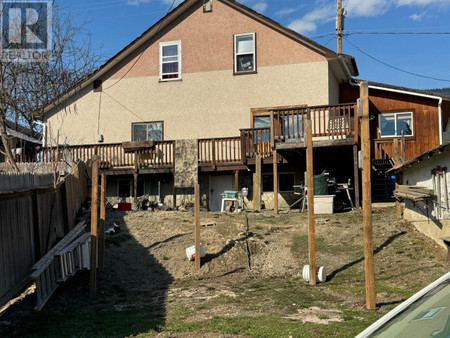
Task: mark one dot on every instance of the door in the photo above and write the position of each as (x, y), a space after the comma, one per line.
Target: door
(217, 185)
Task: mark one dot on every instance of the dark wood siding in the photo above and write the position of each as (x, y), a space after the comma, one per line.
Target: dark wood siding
(426, 119)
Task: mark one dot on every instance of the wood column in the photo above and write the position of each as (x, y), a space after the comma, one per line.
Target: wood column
(257, 184)
(398, 205)
(94, 219)
(367, 200)
(197, 226)
(101, 224)
(356, 177)
(310, 185)
(236, 180)
(275, 181)
(136, 161)
(174, 192)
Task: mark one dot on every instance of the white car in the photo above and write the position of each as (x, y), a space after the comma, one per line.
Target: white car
(426, 314)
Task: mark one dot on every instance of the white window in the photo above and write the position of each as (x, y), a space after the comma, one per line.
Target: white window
(170, 60)
(244, 53)
(147, 131)
(393, 124)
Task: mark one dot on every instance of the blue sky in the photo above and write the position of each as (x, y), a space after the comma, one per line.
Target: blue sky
(115, 23)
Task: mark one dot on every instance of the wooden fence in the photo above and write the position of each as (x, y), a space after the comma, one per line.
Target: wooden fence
(34, 215)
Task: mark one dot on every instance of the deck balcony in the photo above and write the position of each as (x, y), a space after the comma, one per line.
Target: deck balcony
(331, 126)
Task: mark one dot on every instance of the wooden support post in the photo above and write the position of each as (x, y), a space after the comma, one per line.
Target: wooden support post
(310, 185)
(396, 151)
(275, 182)
(398, 205)
(213, 153)
(136, 161)
(403, 147)
(257, 184)
(356, 176)
(236, 180)
(367, 201)
(197, 226)
(272, 130)
(94, 219)
(174, 192)
(101, 224)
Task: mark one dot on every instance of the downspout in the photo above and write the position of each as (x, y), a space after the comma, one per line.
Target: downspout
(44, 132)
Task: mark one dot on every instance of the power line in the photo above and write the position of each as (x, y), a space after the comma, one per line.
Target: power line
(394, 67)
(142, 53)
(395, 33)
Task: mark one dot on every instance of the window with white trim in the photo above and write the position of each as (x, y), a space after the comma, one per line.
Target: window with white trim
(393, 124)
(170, 60)
(147, 131)
(244, 53)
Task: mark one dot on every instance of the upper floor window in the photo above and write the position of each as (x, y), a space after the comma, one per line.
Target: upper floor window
(393, 124)
(170, 60)
(244, 53)
(147, 131)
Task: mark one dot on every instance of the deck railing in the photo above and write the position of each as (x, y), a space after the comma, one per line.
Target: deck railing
(326, 121)
(219, 150)
(110, 155)
(256, 141)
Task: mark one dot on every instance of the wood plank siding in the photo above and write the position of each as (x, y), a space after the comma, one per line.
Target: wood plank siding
(425, 120)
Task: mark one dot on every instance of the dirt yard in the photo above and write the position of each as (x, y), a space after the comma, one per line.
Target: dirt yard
(249, 285)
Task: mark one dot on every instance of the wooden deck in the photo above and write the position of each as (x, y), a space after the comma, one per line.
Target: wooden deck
(332, 126)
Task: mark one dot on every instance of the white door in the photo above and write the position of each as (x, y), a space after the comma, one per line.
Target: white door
(217, 185)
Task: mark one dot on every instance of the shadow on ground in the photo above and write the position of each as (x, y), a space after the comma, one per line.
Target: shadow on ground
(130, 299)
(377, 250)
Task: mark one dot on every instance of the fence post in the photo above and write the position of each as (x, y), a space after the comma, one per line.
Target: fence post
(94, 219)
(197, 226)
(101, 228)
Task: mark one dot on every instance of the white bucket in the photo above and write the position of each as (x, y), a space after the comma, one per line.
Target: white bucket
(321, 274)
(190, 252)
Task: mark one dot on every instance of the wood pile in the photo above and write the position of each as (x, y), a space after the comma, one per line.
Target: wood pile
(414, 192)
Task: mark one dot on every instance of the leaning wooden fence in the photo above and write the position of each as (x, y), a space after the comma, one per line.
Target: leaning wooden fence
(34, 215)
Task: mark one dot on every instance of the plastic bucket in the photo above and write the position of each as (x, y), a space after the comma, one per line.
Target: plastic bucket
(321, 274)
(190, 252)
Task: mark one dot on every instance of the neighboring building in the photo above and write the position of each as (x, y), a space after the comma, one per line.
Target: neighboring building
(429, 170)
(23, 142)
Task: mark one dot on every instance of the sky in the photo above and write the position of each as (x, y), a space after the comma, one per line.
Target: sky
(390, 39)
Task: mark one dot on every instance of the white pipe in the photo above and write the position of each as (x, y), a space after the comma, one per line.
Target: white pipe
(44, 132)
(403, 306)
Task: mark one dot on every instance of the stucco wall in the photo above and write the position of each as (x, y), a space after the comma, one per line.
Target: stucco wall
(209, 101)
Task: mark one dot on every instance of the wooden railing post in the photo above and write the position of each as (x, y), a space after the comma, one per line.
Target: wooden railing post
(356, 123)
(272, 130)
(213, 153)
(243, 148)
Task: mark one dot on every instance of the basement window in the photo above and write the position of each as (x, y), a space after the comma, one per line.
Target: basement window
(244, 53)
(170, 60)
(393, 124)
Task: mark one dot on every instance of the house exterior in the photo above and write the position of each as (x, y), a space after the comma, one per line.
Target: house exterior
(207, 83)
(429, 170)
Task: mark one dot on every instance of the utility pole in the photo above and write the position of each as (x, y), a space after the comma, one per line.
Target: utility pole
(339, 26)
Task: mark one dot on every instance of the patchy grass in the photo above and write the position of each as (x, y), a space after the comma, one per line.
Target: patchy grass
(150, 288)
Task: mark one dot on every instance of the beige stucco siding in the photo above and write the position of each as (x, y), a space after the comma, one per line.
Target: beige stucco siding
(202, 105)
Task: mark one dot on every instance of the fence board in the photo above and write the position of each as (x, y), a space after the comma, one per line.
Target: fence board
(19, 235)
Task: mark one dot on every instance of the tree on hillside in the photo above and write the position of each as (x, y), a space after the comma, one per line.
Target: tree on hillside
(27, 85)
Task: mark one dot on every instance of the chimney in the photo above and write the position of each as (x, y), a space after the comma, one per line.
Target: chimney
(207, 6)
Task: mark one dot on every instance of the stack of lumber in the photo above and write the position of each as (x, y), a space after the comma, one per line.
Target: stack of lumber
(414, 192)
(70, 255)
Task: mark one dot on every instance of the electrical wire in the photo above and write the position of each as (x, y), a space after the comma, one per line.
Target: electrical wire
(142, 53)
(395, 33)
(394, 67)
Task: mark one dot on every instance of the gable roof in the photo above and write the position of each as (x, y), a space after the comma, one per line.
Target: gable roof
(405, 89)
(173, 15)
